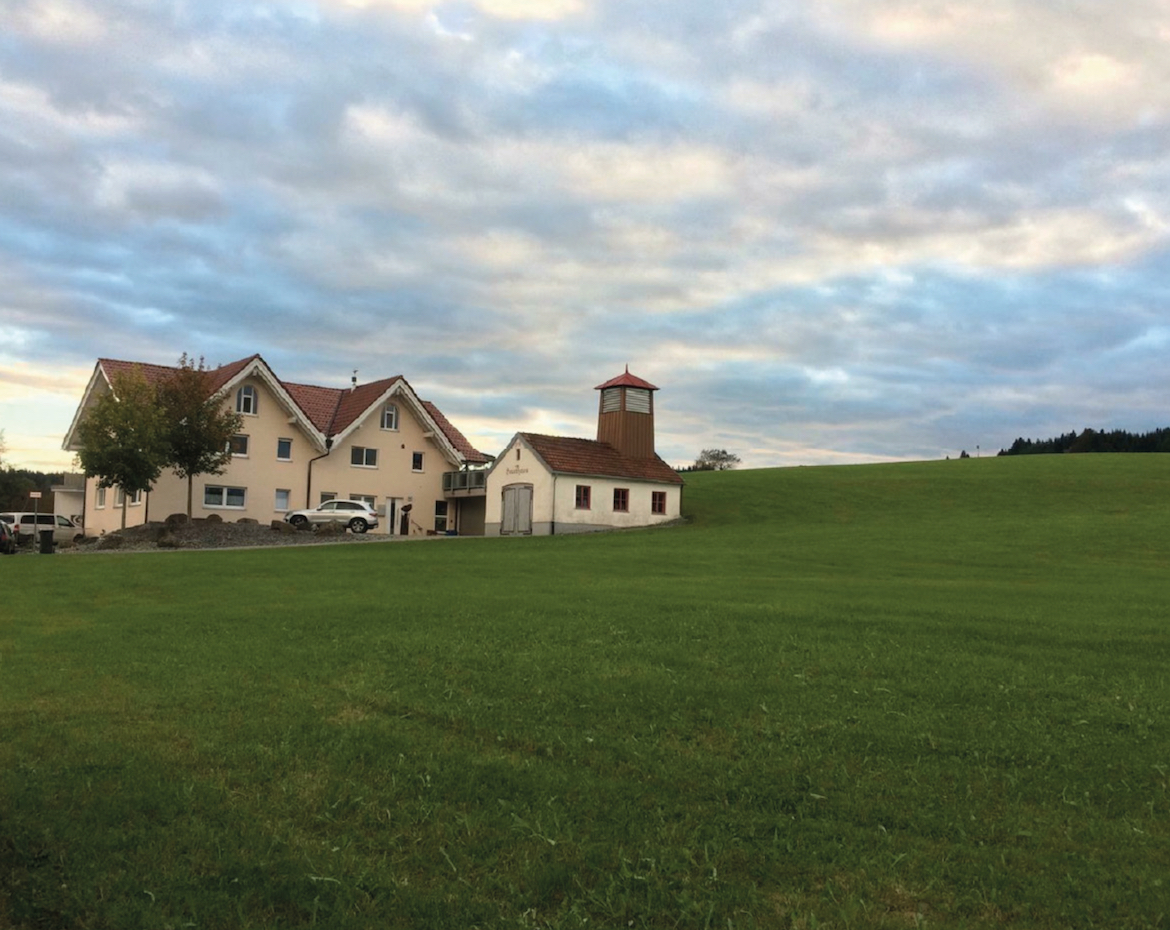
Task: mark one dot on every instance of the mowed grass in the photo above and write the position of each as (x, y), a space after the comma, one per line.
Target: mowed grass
(926, 694)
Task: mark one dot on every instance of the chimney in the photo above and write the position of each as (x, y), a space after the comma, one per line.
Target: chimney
(625, 415)
(353, 381)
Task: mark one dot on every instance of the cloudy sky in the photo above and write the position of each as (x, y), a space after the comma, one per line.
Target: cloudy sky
(829, 230)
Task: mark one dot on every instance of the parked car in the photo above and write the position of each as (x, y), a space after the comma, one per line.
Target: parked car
(26, 526)
(357, 515)
(7, 539)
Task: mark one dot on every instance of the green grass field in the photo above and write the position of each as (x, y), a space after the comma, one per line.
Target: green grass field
(927, 694)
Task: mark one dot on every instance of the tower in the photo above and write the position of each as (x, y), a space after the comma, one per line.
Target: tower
(625, 415)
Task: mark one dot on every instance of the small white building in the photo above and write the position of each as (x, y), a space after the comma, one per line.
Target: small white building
(542, 485)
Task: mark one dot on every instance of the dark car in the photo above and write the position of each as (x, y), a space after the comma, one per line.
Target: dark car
(7, 539)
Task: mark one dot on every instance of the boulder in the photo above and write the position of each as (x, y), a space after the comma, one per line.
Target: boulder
(332, 528)
(281, 527)
(176, 519)
(214, 518)
(168, 540)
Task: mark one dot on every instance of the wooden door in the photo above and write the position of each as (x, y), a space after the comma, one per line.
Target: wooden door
(517, 517)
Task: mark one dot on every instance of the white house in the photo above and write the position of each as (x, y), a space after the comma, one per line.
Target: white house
(542, 485)
(302, 444)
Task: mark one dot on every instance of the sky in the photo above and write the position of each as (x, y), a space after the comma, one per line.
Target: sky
(831, 231)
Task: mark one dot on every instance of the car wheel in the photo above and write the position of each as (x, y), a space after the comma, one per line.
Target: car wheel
(299, 520)
(358, 525)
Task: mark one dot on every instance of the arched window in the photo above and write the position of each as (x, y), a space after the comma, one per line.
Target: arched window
(389, 417)
(246, 400)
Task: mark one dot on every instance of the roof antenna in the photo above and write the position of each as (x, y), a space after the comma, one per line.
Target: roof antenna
(353, 380)
(627, 368)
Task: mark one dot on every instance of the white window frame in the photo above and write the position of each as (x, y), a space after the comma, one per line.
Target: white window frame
(287, 500)
(327, 496)
(246, 442)
(365, 463)
(366, 498)
(224, 505)
(246, 396)
(279, 457)
(445, 516)
(421, 462)
(99, 501)
(136, 499)
(390, 413)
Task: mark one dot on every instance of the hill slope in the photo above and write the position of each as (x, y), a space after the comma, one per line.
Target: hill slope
(870, 696)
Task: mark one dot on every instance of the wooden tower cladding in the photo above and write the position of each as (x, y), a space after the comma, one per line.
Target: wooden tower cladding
(625, 415)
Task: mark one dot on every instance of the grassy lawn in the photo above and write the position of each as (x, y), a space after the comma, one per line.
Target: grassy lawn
(879, 696)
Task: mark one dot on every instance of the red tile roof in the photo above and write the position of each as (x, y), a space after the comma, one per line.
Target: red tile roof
(626, 380)
(590, 457)
(330, 410)
(456, 438)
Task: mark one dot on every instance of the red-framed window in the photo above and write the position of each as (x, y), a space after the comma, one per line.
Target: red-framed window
(621, 499)
(658, 502)
(584, 497)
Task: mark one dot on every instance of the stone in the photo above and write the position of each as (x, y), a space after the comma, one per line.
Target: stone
(176, 519)
(281, 527)
(248, 521)
(214, 518)
(332, 528)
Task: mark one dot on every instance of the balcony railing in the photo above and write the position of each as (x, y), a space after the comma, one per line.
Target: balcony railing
(467, 481)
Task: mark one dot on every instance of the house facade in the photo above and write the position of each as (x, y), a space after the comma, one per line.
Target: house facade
(300, 445)
(544, 485)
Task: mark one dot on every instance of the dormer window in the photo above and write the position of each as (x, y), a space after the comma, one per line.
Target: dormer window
(246, 400)
(390, 417)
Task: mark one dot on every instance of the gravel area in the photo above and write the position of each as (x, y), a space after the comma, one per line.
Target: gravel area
(211, 535)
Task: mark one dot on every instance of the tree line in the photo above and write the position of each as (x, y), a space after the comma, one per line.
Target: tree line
(1091, 440)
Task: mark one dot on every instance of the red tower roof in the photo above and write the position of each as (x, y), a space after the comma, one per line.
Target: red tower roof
(626, 380)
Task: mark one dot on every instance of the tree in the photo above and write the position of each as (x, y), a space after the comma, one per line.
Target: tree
(124, 437)
(199, 425)
(716, 460)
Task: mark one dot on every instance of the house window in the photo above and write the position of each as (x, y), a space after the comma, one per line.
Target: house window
(364, 498)
(135, 498)
(658, 502)
(440, 516)
(389, 417)
(416, 461)
(621, 499)
(101, 499)
(584, 497)
(363, 457)
(215, 495)
(328, 496)
(238, 445)
(284, 450)
(282, 497)
(246, 400)
(119, 497)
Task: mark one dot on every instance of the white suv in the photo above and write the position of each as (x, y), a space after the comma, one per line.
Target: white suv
(357, 515)
(26, 526)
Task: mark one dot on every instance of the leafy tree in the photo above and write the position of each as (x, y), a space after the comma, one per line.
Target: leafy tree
(716, 460)
(124, 437)
(200, 426)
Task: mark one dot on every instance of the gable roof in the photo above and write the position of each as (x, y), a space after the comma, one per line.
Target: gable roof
(590, 457)
(470, 454)
(325, 412)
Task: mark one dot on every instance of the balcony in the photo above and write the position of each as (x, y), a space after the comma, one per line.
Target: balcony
(464, 483)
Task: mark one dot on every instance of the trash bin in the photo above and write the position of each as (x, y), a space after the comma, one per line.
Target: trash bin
(46, 542)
